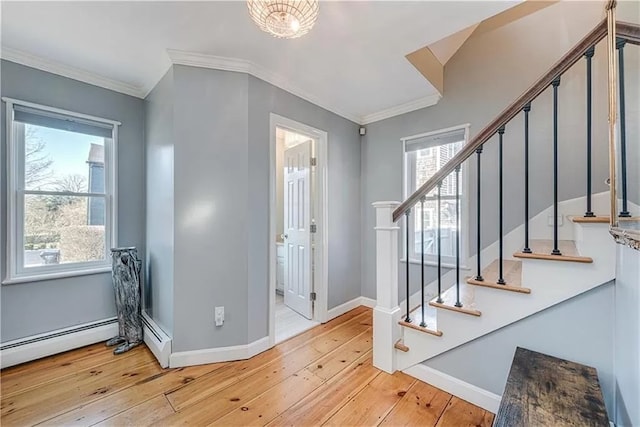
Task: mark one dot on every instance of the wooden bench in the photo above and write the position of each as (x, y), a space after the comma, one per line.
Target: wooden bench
(546, 391)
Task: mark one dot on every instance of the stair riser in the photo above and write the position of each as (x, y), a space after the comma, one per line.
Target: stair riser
(595, 239)
(540, 274)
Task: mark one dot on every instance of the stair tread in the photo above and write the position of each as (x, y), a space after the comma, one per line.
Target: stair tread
(541, 249)
(604, 219)
(629, 219)
(400, 346)
(467, 298)
(430, 317)
(589, 219)
(511, 272)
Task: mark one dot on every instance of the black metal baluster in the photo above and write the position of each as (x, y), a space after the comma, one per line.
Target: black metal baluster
(423, 323)
(458, 303)
(589, 55)
(624, 213)
(478, 242)
(407, 217)
(555, 84)
(526, 109)
(439, 300)
(500, 209)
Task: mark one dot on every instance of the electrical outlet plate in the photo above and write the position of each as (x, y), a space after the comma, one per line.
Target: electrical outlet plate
(550, 220)
(219, 316)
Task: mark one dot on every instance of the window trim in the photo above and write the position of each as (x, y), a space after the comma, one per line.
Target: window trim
(447, 261)
(15, 199)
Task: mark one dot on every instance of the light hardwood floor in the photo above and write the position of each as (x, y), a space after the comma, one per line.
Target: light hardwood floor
(323, 376)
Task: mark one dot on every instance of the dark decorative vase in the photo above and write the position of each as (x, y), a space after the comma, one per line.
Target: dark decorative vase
(126, 283)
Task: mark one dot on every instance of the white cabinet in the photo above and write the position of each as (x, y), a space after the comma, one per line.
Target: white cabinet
(280, 268)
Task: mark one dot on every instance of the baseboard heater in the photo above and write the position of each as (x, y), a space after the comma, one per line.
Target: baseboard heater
(157, 340)
(49, 343)
(37, 346)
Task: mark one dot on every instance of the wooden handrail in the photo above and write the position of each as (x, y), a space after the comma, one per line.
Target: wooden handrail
(628, 31)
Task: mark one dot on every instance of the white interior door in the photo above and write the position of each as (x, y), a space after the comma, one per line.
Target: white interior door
(297, 234)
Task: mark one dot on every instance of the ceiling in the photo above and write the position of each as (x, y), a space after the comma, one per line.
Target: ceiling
(352, 62)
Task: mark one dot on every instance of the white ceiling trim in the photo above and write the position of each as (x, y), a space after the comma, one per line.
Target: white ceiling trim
(194, 59)
(60, 69)
(202, 60)
(408, 107)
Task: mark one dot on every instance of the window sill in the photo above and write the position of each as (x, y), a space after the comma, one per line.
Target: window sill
(434, 263)
(55, 275)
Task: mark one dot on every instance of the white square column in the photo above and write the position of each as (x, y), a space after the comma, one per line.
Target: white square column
(386, 314)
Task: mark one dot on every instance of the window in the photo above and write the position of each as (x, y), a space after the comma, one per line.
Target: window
(61, 173)
(424, 155)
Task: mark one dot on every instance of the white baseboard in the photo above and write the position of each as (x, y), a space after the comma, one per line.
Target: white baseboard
(469, 392)
(367, 302)
(350, 305)
(42, 345)
(157, 340)
(214, 355)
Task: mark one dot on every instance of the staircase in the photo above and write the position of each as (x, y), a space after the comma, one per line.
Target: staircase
(523, 271)
(533, 282)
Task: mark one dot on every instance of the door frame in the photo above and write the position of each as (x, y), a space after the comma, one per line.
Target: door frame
(320, 242)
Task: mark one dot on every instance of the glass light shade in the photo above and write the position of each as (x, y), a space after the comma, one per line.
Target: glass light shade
(286, 19)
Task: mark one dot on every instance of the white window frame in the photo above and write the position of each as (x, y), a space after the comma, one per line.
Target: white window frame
(16, 273)
(432, 260)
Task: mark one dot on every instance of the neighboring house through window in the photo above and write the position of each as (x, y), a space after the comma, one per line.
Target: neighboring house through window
(61, 170)
(424, 155)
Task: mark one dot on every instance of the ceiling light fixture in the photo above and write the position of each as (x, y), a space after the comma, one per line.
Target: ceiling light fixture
(287, 19)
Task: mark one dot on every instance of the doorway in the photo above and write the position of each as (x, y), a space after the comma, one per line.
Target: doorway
(297, 291)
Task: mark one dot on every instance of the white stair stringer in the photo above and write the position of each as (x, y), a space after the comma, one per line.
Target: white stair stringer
(551, 282)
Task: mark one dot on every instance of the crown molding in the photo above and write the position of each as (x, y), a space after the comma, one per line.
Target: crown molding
(74, 73)
(201, 60)
(407, 107)
(194, 59)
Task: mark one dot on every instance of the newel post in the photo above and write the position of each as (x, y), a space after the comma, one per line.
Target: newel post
(386, 314)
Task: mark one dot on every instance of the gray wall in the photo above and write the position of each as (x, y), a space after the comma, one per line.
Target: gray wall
(211, 208)
(221, 198)
(491, 70)
(159, 140)
(627, 337)
(344, 232)
(568, 330)
(42, 306)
